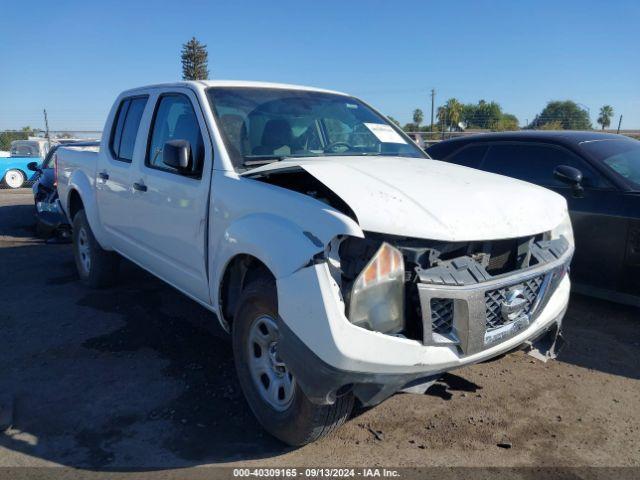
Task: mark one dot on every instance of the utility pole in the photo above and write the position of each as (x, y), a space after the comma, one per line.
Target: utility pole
(619, 123)
(46, 126)
(433, 96)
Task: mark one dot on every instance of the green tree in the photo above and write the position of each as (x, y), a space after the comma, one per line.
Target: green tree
(194, 60)
(604, 119)
(552, 125)
(9, 136)
(454, 111)
(567, 114)
(418, 117)
(450, 114)
(441, 117)
(485, 115)
(507, 121)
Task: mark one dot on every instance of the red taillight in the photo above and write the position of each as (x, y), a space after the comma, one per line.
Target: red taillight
(55, 170)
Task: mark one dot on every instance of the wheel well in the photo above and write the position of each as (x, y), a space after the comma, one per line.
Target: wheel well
(239, 271)
(75, 204)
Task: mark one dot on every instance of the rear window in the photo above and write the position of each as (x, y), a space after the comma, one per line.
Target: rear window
(469, 156)
(125, 128)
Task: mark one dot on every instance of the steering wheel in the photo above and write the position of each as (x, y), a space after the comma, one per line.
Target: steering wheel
(333, 147)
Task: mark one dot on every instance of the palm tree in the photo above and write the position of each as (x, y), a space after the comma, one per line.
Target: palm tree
(454, 111)
(604, 119)
(418, 116)
(441, 115)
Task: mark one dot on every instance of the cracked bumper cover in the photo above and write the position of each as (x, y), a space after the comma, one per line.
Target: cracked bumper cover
(329, 356)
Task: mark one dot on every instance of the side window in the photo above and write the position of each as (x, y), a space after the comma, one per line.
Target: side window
(116, 133)
(175, 119)
(536, 163)
(125, 129)
(469, 156)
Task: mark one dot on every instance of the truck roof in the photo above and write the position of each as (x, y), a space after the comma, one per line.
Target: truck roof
(203, 84)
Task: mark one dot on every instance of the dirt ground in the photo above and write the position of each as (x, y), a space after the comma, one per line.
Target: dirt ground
(137, 377)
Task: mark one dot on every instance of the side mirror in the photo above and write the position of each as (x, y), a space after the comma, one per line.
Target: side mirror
(33, 166)
(571, 176)
(177, 154)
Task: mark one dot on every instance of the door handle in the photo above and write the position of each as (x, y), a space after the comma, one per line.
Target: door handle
(140, 187)
(103, 176)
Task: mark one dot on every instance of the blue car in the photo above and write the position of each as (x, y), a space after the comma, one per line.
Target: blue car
(13, 170)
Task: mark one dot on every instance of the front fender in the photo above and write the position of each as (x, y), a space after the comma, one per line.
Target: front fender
(282, 245)
(277, 242)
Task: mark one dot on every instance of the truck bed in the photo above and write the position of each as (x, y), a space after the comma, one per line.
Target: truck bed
(70, 159)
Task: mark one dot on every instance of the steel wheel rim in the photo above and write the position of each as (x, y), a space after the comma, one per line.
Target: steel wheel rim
(14, 179)
(84, 250)
(270, 375)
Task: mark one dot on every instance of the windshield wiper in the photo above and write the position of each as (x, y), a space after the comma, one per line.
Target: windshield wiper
(263, 160)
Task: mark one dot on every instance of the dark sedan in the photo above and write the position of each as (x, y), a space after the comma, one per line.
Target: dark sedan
(598, 174)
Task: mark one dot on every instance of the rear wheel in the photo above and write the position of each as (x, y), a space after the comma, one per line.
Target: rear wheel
(270, 388)
(96, 267)
(14, 178)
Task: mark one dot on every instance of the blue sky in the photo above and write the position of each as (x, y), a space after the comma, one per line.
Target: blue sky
(74, 57)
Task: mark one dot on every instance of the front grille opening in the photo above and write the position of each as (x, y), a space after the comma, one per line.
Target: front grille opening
(509, 255)
(494, 300)
(442, 315)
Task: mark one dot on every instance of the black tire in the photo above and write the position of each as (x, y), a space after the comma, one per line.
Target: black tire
(102, 267)
(303, 421)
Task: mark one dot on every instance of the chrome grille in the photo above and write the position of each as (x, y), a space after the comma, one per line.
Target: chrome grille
(495, 298)
(441, 315)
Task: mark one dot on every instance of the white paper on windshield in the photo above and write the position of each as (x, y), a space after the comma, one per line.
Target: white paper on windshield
(385, 133)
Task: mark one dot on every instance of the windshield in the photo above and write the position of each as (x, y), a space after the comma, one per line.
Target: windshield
(620, 155)
(261, 125)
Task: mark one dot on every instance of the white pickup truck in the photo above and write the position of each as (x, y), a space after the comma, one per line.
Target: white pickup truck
(346, 264)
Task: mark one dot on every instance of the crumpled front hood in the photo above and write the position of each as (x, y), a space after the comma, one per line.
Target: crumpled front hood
(424, 198)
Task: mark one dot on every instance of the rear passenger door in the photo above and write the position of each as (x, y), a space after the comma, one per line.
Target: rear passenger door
(169, 208)
(114, 168)
(599, 233)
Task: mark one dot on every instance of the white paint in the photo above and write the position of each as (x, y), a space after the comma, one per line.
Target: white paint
(424, 198)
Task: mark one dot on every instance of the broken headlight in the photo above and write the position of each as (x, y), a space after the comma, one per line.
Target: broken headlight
(377, 295)
(564, 229)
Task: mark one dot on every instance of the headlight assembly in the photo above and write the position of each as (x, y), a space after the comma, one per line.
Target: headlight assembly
(377, 295)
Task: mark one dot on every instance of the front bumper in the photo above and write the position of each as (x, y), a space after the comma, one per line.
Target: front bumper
(328, 354)
(50, 217)
(322, 383)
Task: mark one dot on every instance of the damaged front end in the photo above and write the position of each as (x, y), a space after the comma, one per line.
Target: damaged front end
(391, 313)
(469, 295)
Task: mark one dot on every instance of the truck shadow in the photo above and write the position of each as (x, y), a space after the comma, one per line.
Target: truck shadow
(18, 221)
(134, 377)
(602, 336)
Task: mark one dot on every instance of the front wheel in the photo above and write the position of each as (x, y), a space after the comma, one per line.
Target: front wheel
(96, 267)
(270, 388)
(14, 178)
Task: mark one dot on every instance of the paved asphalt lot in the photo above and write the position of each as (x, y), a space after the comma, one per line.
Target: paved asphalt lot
(136, 377)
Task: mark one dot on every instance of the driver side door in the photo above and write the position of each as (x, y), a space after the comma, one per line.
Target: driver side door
(170, 207)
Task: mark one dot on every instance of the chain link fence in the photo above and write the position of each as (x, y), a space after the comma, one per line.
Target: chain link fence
(424, 137)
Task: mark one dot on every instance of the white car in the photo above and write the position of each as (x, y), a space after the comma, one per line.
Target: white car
(345, 263)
